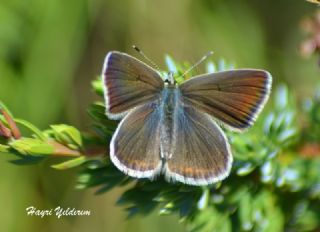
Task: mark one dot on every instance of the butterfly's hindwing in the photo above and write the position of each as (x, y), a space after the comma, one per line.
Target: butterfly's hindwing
(135, 146)
(200, 151)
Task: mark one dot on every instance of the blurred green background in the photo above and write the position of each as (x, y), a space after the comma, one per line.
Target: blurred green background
(51, 50)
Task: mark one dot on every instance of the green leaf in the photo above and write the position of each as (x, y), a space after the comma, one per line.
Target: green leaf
(30, 146)
(32, 128)
(70, 163)
(172, 67)
(204, 200)
(211, 67)
(97, 86)
(3, 106)
(67, 135)
(4, 148)
(245, 212)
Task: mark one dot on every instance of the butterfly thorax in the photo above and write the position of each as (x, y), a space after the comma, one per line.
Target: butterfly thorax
(169, 105)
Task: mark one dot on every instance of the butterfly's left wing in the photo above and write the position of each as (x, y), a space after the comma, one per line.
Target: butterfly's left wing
(233, 97)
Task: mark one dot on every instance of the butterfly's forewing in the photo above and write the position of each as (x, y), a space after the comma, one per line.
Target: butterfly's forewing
(233, 97)
(128, 83)
(135, 146)
(201, 153)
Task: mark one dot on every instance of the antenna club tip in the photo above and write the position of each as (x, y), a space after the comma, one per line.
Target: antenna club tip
(136, 48)
(210, 53)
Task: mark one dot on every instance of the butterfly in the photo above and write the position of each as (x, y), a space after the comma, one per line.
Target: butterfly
(173, 129)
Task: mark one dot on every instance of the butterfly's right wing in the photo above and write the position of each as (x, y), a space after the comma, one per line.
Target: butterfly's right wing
(128, 83)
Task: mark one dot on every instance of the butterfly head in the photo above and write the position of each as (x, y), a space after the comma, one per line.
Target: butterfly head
(170, 79)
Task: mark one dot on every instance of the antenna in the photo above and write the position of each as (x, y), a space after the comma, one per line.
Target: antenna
(146, 58)
(197, 63)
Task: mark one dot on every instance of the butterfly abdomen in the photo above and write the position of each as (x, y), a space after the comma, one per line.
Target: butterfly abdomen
(169, 104)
